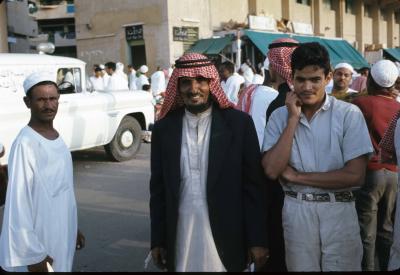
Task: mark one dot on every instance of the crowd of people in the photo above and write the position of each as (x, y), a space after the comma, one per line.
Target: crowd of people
(291, 168)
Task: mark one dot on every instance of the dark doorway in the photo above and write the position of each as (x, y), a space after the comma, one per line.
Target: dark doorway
(138, 54)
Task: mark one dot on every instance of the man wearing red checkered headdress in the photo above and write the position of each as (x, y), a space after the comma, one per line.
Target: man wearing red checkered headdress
(207, 188)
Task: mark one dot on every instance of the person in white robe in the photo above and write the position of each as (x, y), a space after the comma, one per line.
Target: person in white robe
(105, 75)
(120, 70)
(231, 82)
(158, 84)
(97, 80)
(142, 78)
(40, 218)
(116, 82)
(132, 78)
(247, 73)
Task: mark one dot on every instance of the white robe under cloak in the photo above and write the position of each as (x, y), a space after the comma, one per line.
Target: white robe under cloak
(195, 246)
(40, 215)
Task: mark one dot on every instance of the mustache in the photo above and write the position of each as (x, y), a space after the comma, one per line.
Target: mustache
(48, 110)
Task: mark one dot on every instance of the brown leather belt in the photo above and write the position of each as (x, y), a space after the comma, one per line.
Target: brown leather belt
(346, 196)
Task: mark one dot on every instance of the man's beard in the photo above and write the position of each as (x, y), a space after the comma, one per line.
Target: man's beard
(197, 109)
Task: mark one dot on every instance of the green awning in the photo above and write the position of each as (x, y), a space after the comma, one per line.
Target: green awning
(339, 50)
(393, 52)
(211, 46)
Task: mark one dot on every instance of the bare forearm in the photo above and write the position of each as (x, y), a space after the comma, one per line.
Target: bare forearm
(338, 179)
(277, 158)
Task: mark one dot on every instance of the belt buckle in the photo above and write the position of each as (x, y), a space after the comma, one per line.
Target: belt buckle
(309, 197)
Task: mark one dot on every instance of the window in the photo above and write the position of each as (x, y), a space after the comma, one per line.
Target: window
(328, 4)
(69, 80)
(350, 6)
(304, 2)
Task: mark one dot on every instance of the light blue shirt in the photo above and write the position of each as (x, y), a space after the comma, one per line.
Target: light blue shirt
(336, 134)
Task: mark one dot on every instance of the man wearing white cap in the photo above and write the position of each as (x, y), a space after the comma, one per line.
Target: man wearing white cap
(40, 217)
(142, 78)
(105, 75)
(342, 77)
(376, 198)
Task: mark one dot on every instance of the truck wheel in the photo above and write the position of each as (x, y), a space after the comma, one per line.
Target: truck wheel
(127, 140)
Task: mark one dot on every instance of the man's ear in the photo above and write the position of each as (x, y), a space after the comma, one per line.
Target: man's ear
(328, 78)
(27, 102)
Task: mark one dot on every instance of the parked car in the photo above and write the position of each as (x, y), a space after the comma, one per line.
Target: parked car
(86, 118)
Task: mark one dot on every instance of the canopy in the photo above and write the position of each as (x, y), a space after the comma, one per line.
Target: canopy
(339, 50)
(211, 46)
(393, 52)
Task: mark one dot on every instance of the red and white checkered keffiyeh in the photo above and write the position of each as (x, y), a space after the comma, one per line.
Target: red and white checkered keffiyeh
(193, 65)
(280, 58)
(387, 151)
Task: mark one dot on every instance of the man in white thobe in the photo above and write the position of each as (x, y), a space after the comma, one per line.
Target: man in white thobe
(117, 81)
(142, 79)
(231, 82)
(158, 85)
(132, 78)
(97, 80)
(40, 219)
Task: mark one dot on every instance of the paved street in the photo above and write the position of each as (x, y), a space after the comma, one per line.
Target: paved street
(113, 211)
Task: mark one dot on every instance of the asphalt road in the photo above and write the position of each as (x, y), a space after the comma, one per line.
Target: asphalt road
(113, 207)
(113, 211)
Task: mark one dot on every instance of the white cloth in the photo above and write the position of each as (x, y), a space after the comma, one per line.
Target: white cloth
(321, 236)
(97, 83)
(132, 81)
(260, 101)
(258, 79)
(117, 82)
(231, 87)
(120, 70)
(106, 79)
(142, 80)
(248, 74)
(328, 90)
(40, 215)
(195, 246)
(158, 83)
(394, 262)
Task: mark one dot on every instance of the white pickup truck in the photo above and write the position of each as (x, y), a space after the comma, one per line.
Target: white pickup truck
(86, 118)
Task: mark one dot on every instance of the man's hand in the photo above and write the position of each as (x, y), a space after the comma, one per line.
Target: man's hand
(258, 255)
(42, 266)
(289, 174)
(80, 240)
(159, 256)
(293, 104)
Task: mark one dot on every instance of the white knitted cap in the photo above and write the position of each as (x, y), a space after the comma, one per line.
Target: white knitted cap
(385, 73)
(144, 69)
(345, 66)
(36, 78)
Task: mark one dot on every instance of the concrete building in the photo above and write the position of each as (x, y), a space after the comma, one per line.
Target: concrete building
(3, 28)
(157, 32)
(31, 22)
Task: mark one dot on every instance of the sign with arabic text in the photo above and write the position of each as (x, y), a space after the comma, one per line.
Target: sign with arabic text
(186, 34)
(134, 33)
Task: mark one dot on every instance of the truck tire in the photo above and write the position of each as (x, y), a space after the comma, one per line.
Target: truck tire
(127, 140)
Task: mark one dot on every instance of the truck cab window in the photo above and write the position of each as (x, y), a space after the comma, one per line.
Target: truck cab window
(69, 80)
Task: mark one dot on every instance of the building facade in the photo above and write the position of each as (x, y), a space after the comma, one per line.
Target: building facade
(157, 32)
(31, 22)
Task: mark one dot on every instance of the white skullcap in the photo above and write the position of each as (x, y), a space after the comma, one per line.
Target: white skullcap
(36, 78)
(102, 67)
(385, 73)
(345, 66)
(144, 69)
